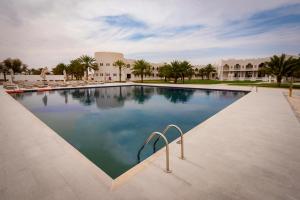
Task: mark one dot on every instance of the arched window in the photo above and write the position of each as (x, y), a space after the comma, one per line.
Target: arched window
(249, 66)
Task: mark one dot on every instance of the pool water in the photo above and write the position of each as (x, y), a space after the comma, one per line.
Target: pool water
(110, 124)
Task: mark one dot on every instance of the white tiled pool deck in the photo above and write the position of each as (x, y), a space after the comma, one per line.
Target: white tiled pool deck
(249, 150)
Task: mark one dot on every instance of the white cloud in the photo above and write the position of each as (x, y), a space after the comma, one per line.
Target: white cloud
(44, 33)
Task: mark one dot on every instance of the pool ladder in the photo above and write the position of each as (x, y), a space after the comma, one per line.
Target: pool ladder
(162, 135)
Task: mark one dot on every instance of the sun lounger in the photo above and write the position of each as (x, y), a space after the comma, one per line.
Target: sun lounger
(10, 86)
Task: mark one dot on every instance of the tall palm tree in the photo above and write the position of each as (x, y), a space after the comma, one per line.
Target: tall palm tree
(88, 63)
(279, 66)
(121, 65)
(209, 69)
(141, 68)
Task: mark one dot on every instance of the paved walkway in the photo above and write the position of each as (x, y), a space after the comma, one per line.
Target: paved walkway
(295, 102)
(249, 150)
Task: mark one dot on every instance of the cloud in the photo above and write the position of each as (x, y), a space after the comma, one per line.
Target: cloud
(164, 32)
(46, 32)
(264, 21)
(124, 21)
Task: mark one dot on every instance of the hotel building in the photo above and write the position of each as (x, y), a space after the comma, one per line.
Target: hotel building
(242, 69)
(109, 72)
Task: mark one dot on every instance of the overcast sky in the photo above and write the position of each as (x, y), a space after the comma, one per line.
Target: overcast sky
(46, 32)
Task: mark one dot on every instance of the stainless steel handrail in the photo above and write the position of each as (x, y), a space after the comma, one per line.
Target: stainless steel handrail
(167, 148)
(181, 138)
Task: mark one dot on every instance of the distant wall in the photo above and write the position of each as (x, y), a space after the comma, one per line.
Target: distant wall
(33, 77)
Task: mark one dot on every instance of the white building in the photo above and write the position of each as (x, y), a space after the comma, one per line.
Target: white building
(109, 72)
(242, 69)
(245, 69)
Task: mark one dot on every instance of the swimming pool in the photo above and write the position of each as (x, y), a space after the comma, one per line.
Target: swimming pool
(110, 124)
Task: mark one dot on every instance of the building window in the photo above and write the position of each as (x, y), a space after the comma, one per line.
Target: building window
(101, 64)
(107, 64)
(101, 74)
(107, 74)
(114, 74)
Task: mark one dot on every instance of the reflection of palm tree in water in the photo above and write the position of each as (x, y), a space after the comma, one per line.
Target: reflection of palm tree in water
(142, 94)
(65, 94)
(120, 98)
(176, 95)
(85, 96)
(45, 100)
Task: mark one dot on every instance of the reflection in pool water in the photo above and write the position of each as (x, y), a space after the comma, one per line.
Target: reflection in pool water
(108, 125)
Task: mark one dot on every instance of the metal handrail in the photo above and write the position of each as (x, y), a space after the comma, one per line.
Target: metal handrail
(167, 148)
(181, 138)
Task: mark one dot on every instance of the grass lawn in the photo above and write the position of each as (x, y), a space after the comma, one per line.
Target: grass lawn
(240, 83)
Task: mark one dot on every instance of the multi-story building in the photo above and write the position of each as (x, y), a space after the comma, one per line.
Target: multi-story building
(109, 72)
(245, 69)
(242, 69)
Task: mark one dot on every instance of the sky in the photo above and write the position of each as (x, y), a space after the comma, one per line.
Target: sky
(47, 32)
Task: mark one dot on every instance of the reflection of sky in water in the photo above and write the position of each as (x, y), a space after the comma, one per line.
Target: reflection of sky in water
(109, 125)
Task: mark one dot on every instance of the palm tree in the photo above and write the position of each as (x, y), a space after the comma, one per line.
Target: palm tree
(76, 68)
(88, 63)
(176, 70)
(4, 70)
(279, 66)
(190, 73)
(24, 69)
(186, 68)
(120, 64)
(201, 72)
(164, 71)
(141, 68)
(59, 69)
(209, 69)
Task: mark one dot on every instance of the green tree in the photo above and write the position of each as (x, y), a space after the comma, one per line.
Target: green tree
(295, 69)
(141, 68)
(88, 63)
(24, 69)
(76, 69)
(14, 64)
(59, 69)
(120, 65)
(185, 69)
(208, 70)
(4, 70)
(190, 73)
(35, 71)
(164, 71)
(279, 66)
(176, 70)
(202, 72)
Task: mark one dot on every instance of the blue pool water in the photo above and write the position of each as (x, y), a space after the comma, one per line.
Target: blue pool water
(109, 125)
